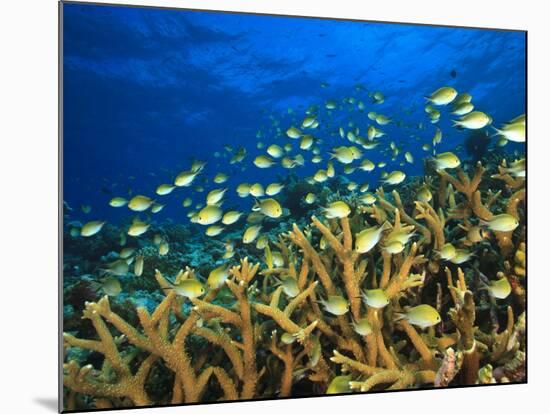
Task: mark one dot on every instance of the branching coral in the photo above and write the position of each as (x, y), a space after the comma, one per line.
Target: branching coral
(259, 338)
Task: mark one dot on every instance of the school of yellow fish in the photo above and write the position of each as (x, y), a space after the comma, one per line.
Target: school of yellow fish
(350, 145)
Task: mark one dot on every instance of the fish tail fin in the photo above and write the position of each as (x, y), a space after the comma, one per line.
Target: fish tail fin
(497, 133)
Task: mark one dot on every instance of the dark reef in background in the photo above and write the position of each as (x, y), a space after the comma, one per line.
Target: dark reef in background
(477, 144)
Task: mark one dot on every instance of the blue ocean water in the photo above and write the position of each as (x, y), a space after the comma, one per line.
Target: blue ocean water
(146, 91)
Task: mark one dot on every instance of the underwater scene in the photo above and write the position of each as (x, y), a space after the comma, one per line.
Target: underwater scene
(259, 207)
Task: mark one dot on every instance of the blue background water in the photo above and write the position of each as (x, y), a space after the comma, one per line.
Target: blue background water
(146, 90)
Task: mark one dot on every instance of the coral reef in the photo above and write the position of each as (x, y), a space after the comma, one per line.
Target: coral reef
(253, 338)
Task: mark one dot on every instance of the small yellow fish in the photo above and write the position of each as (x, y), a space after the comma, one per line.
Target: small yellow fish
(422, 316)
(111, 286)
(306, 142)
(337, 209)
(352, 186)
(461, 98)
(220, 178)
(434, 116)
(375, 298)
(512, 132)
(197, 166)
(308, 121)
(275, 151)
(424, 194)
(231, 217)
(438, 136)
(367, 199)
(293, 132)
(288, 162)
(269, 206)
(187, 202)
(502, 222)
(316, 159)
(335, 304)
(393, 247)
(243, 190)
(118, 268)
(118, 202)
(251, 233)
(209, 215)
(138, 265)
(447, 252)
(500, 288)
(339, 385)
(257, 190)
(310, 198)
(164, 248)
(394, 178)
(402, 236)
(330, 169)
(185, 178)
(215, 196)
(443, 96)
(330, 104)
(165, 189)
(212, 231)
(517, 168)
(255, 217)
(320, 176)
(446, 160)
(126, 252)
(140, 203)
(366, 239)
(382, 120)
(366, 165)
(189, 288)
(349, 169)
(278, 260)
(137, 228)
(91, 228)
(501, 142)
(262, 242)
(362, 327)
(217, 277)
(274, 189)
(461, 256)
(473, 120)
(263, 161)
(156, 207)
(343, 155)
(462, 108)
(290, 286)
(378, 97)
(409, 158)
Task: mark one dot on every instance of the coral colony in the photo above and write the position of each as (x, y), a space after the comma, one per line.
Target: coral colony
(252, 335)
(341, 240)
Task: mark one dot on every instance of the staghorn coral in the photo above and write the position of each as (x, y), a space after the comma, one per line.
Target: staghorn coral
(255, 340)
